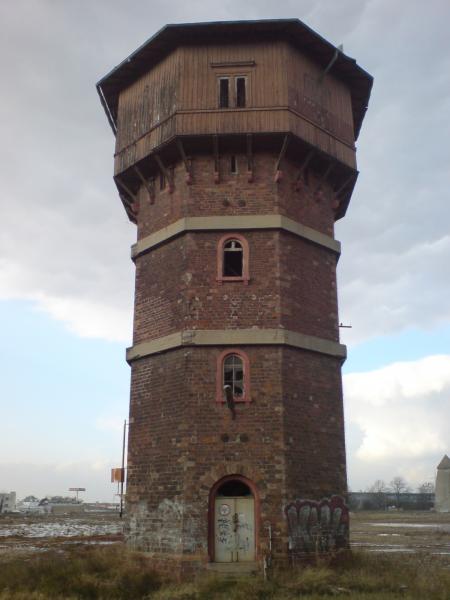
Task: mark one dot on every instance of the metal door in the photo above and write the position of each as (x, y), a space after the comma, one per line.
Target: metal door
(234, 529)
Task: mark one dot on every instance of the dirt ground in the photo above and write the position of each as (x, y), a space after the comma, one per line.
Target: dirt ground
(22, 534)
(423, 532)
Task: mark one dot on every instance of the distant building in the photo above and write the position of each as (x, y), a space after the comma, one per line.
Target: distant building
(54, 505)
(7, 502)
(64, 508)
(442, 502)
(31, 505)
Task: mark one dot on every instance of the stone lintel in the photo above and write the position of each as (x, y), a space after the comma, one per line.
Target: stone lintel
(236, 337)
(227, 223)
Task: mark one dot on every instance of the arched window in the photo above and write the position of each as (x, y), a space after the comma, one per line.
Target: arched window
(233, 370)
(232, 259)
(233, 374)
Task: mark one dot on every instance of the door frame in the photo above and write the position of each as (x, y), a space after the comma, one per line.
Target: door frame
(211, 511)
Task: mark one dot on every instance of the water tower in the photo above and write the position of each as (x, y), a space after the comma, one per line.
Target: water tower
(235, 155)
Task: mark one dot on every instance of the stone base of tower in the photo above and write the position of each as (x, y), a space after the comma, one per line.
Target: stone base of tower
(307, 529)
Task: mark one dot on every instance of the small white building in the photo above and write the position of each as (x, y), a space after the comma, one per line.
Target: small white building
(31, 505)
(442, 497)
(7, 502)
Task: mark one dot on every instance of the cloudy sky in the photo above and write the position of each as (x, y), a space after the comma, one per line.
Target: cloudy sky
(66, 281)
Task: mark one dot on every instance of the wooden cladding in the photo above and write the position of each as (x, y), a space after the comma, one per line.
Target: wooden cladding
(234, 121)
(324, 100)
(198, 90)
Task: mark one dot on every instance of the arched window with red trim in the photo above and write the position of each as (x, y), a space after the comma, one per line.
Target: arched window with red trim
(233, 259)
(233, 370)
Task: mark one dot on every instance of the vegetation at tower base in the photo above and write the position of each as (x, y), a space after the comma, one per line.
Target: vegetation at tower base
(112, 573)
(235, 155)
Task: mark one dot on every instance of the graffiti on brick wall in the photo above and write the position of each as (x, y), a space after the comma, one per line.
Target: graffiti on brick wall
(172, 527)
(317, 527)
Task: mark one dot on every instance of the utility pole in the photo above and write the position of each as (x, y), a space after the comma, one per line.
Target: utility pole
(122, 477)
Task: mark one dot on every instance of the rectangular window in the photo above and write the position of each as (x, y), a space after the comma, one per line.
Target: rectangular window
(240, 92)
(224, 92)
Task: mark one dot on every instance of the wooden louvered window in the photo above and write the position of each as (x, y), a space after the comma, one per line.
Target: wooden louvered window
(224, 92)
(232, 91)
(241, 92)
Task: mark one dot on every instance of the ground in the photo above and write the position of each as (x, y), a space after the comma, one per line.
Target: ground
(404, 532)
(27, 534)
(396, 555)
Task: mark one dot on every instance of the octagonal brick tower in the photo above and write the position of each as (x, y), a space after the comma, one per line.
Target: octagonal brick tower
(235, 155)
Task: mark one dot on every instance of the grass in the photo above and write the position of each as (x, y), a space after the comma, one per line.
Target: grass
(91, 574)
(113, 573)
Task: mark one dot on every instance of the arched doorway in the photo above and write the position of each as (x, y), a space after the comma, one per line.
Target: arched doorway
(232, 519)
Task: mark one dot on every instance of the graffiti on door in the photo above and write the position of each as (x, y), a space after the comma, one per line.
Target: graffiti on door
(234, 529)
(317, 527)
(225, 532)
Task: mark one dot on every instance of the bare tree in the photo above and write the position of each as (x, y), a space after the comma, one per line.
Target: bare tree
(378, 493)
(424, 496)
(399, 486)
(426, 488)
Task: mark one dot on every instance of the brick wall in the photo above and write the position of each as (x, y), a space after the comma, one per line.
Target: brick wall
(177, 288)
(289, 439)
(182, 441)
(234, 195)
(313, 425)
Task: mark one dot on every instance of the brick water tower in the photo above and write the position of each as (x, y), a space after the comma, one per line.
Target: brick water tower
(235, 155)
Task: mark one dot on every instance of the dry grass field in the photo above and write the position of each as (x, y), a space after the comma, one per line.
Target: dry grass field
(395, 555)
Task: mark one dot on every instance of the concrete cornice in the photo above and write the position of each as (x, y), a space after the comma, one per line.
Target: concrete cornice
(236, 337)
(237, 223)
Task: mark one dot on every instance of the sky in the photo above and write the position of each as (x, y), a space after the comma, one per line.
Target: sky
(66, 279)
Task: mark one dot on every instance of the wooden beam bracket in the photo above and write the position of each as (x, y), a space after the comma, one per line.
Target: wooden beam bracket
(278, 172)
(216, 159)
(347, 181)
(345, 184)
(165, 171)
(131, 208)
(318, 192)
(249, 158)
(186, 161)
(147, 183)
(120, 184)
(133, 200)
(302, 171)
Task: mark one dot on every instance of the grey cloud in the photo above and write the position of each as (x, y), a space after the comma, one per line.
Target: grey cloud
(64, 232)
(394, 271)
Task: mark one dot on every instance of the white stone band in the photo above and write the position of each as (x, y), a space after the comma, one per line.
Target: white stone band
(236, 337)
(227, 223)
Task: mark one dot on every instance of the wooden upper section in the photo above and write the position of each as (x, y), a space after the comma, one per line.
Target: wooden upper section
(170, 87)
